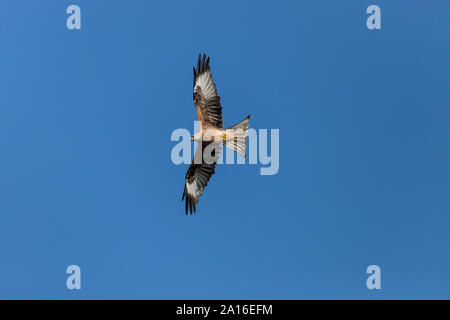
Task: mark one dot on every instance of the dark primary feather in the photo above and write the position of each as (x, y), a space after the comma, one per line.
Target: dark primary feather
(202, 67)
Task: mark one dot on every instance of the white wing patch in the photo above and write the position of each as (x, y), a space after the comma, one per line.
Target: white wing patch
(206, 84)
(193, 189)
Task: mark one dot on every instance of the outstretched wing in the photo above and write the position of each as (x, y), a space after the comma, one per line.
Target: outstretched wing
(206, 100)
(202, 168)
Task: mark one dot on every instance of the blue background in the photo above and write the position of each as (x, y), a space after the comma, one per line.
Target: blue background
(85, 171)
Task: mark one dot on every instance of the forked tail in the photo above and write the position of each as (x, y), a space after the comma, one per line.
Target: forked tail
(236, 137)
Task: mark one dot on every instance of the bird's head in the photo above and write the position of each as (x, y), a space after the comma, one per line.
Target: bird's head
(197, 137)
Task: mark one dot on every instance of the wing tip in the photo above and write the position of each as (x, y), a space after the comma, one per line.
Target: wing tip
(190, 204)
(202, 64)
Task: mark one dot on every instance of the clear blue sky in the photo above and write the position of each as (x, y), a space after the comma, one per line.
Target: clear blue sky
(85, 171)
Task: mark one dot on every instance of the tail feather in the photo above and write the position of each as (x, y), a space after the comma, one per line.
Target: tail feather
(236, 137)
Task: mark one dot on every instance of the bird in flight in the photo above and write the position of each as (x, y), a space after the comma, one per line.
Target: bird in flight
(211, 135)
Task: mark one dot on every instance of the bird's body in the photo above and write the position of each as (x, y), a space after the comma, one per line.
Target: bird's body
(211, 135)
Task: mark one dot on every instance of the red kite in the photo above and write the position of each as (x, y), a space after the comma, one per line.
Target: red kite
(211, 134)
